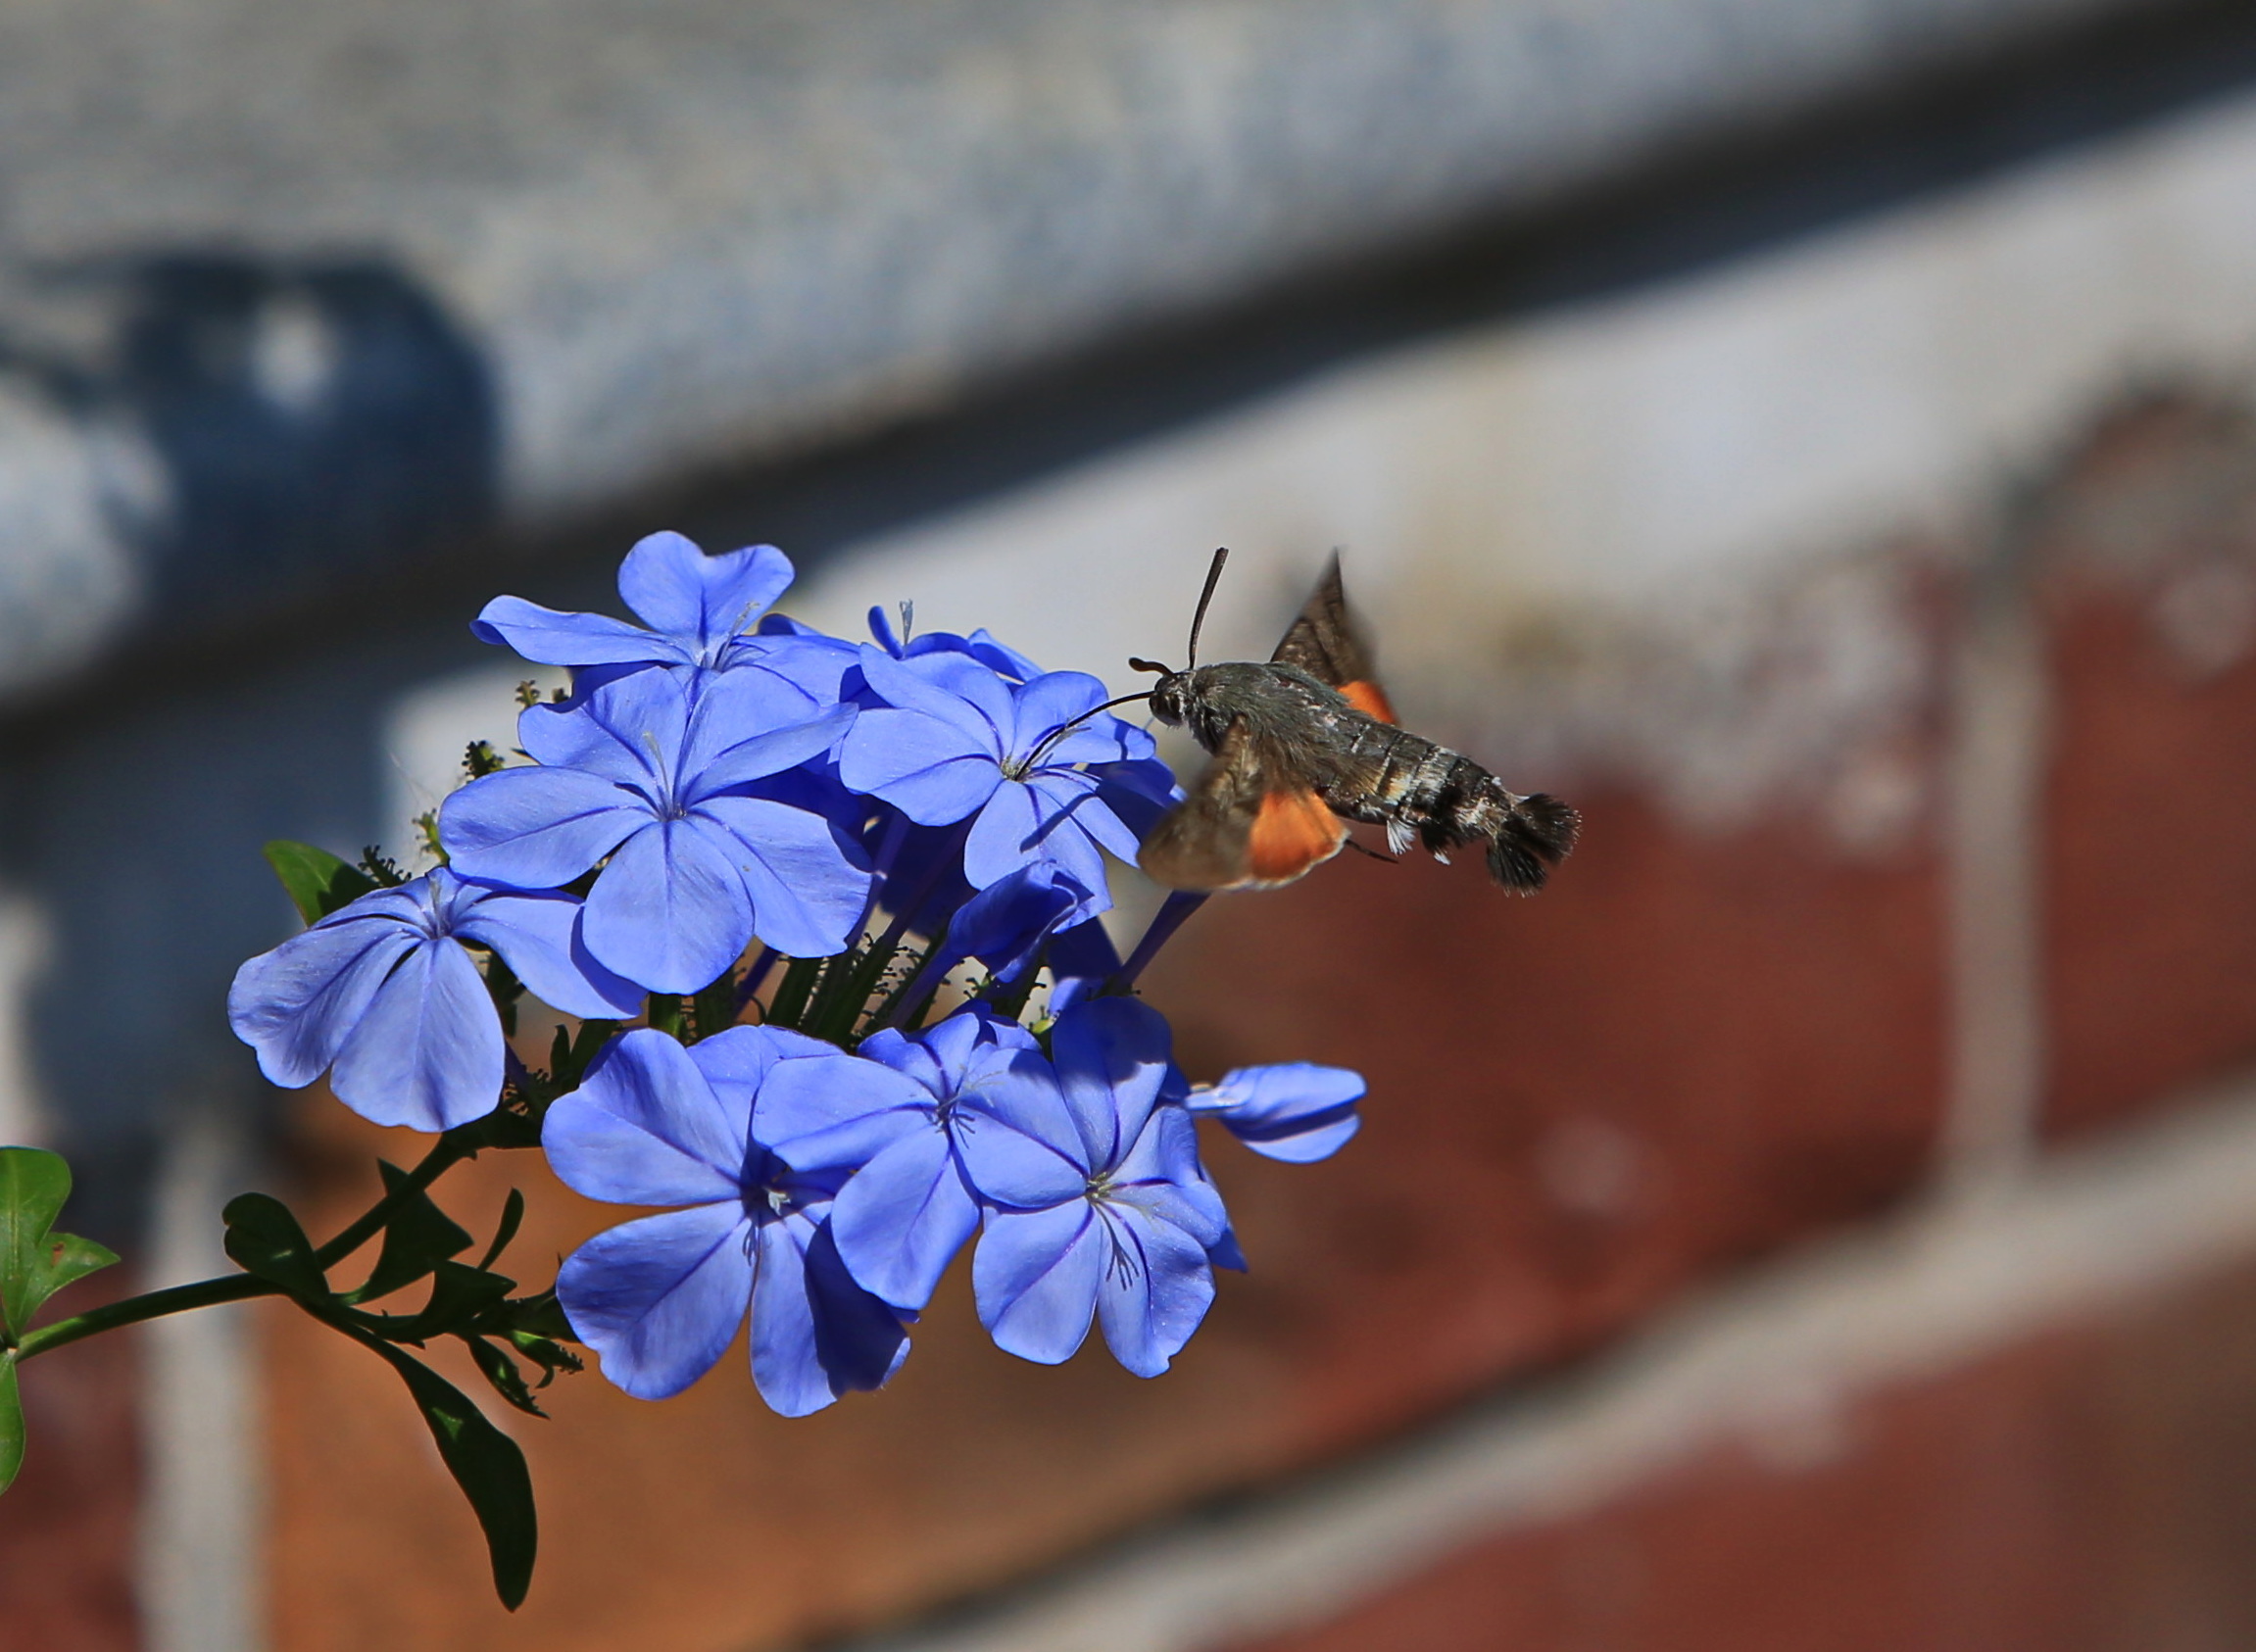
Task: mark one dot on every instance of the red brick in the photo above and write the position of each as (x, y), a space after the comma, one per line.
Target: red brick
(2149, 855)
(67, 1526)
(2091, 1491)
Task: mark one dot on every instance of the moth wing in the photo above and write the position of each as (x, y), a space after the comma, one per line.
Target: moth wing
(1326, 642)
(1248, 823)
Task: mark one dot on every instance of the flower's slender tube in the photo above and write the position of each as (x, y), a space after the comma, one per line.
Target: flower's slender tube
(1170, 917)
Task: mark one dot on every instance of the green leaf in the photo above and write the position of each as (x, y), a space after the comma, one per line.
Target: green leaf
(11, 1421)
(512, 1217)
(316, 879)
(35, 1262)
(461, 1296)
(266, 1240)
(418, 1239)
(485, 1463)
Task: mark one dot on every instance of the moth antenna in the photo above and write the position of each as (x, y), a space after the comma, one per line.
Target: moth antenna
(1150, 666)
(1198, 619)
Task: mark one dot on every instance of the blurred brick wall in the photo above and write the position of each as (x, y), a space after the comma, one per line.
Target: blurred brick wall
(2084, 1490)
(67, 1525)
(1720, 1037)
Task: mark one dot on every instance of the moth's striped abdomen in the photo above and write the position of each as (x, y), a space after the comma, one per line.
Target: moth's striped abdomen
(1419, 790)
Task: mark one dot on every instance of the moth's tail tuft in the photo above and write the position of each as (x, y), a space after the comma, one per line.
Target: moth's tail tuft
(1535, 834)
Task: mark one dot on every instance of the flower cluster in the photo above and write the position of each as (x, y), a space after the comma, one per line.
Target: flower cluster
(851, 892)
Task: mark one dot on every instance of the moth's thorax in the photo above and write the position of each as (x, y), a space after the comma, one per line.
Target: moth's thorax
(1275, 699)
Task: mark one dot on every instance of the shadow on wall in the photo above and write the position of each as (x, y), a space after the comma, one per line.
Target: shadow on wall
(302, 416)
(289, 421)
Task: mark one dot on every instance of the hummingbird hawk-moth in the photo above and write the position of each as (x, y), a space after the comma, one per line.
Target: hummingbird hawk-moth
(1308, 742)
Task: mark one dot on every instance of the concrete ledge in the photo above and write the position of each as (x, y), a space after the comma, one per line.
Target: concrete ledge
(284, 290)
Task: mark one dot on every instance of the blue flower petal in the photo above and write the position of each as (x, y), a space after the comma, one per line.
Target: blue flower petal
(1012, 1167)
(786, 1365)
(535, 828)
(1048, 703)
(758, 755)
(814, 665)
(1035, 1277)
(1296, 1111)
(1048, 817)
(952, 688)
(701, 601)
(538, 937)
(1018, 1091)
(1082, 959)
(427, 1054)
(647, 1126)
(670, 910)
(1006, 924)
(816, 1334)
(1000, 657)
(1112, 1056)
(625, 729)
(1162, 1176)
(904, 1216)
(737, 1062)
(859, 1340)
(808, 895)
(934, 773)
(725, 709)
(1155, 1293)
(1082, 803)
(297, 1004)
(660, 1299)
(839, 1113)
(570, 639)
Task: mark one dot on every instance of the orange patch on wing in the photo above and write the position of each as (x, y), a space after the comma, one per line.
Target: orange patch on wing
(1370, 700)
(1293, 832)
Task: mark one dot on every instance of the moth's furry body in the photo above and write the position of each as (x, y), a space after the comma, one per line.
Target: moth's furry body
(1366, 770)
(1309, 737)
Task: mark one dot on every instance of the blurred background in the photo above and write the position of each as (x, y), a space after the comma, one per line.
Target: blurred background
(1812, 435)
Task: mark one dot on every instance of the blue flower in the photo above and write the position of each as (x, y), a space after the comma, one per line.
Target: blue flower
(384, 991)
(1082, 960)
(661, 1298)
(1008, 924)
(952, 740)
(660, 776)
(1296, 1110)
(911, 1119)
(980, 644)
(1115, 1218)
(698, 609)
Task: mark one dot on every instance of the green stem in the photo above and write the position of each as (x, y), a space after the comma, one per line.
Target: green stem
(443, 1157)
(239, 1287)
(154, 1305)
